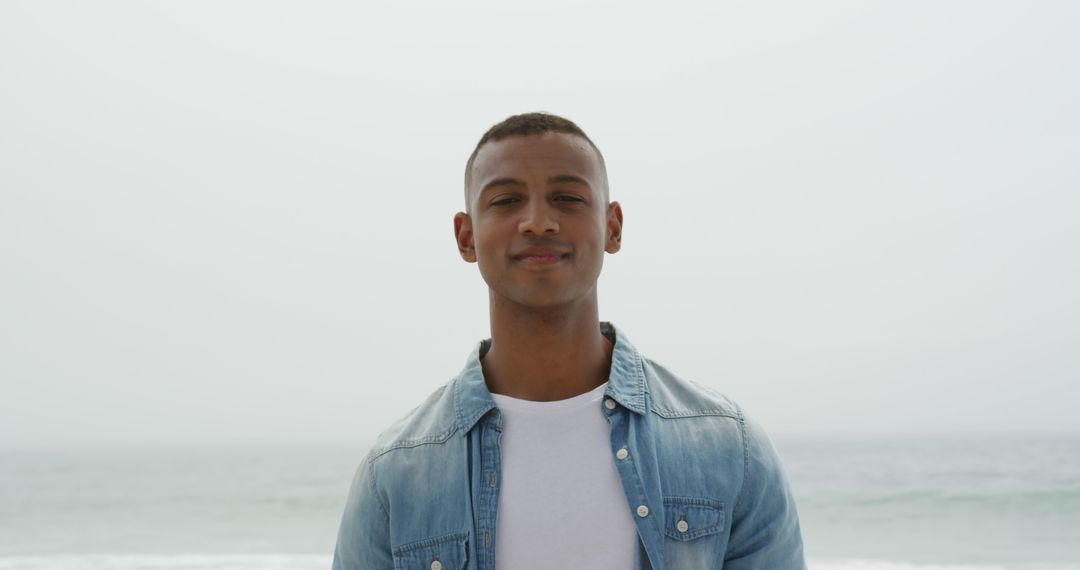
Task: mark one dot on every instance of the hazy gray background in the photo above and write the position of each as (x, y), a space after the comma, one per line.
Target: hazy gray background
(226, 221)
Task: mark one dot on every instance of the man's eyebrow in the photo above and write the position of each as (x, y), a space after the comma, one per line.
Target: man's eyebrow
(559, 179)
(501, 182)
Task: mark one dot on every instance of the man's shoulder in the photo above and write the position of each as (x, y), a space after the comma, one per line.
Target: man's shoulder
(431, 422)
(672, 396)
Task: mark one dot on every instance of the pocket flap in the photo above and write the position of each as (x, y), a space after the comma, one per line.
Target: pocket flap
(449, 552)
(687, 518)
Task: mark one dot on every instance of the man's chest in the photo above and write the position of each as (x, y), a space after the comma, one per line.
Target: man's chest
(670, 489)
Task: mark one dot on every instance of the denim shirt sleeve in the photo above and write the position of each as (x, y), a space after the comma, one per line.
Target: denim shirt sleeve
(363, 541)
(765, 531)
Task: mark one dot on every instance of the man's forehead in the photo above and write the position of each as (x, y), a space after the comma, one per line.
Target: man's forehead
(556, 150)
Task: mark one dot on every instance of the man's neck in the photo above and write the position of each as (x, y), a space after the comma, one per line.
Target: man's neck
(546, 355)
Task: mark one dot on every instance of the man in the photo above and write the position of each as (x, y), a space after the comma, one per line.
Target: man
(559, 446)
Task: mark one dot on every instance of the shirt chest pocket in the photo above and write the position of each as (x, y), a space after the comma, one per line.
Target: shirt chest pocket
(448, 552)
(688, 518)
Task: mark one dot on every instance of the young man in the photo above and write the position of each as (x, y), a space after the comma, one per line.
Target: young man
(559, 446)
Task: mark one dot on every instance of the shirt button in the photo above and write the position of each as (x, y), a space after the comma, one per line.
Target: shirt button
(609, 404)
(436, 565)
(643, 511)
(622, 453)
(682, 526)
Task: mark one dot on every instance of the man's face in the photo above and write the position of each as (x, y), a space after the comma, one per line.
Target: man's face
(539, 223)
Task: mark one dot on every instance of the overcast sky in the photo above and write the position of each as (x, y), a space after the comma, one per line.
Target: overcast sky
(227, 221)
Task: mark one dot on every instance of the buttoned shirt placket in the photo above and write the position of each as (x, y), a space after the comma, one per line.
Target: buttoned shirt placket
(486, 495)
(626, 464)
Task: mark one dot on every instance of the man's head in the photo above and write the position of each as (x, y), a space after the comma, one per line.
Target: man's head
(538, 219)
(527, 124)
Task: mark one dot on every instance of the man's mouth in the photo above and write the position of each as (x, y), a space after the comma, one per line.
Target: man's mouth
(540, 259)
(540, 256)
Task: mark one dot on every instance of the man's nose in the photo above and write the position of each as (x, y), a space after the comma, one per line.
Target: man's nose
(538, 218)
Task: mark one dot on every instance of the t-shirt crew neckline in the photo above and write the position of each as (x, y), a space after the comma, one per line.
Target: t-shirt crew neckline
(531, 406)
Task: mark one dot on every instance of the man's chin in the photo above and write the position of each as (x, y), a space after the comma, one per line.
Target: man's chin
(541, 299)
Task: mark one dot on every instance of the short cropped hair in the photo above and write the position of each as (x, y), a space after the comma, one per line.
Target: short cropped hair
(527, 124)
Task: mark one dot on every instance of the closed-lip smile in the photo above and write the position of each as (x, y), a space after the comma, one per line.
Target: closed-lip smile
(539, 256)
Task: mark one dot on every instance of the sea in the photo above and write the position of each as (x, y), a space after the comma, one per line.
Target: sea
(1006, 502)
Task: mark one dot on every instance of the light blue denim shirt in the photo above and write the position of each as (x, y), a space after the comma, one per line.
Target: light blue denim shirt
(702, 480)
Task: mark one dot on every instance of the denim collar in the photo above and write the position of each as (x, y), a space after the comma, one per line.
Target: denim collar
(626, 381)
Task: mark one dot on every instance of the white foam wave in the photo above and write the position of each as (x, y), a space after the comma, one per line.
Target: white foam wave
(167, 562)
(889, 565)
(862, 564)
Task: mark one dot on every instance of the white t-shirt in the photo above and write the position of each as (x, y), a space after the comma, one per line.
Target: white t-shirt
(561, 503)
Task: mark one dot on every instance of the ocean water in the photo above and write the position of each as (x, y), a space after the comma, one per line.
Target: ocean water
(1003, 502)
(946, 503)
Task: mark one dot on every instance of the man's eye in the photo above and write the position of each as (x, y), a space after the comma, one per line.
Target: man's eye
(569, 198)
(504, 201)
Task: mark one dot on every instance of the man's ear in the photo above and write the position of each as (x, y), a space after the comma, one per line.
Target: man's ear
(614, 228)
(464, 236)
